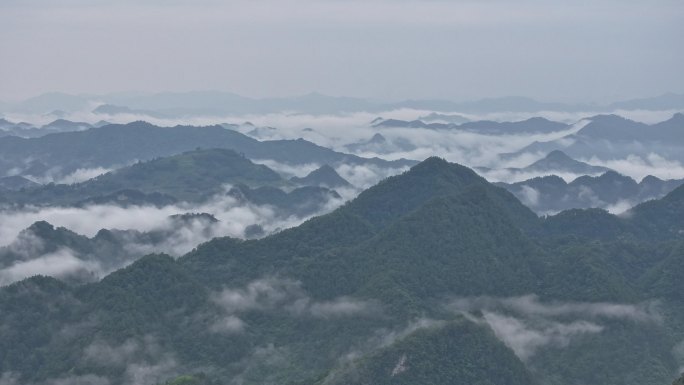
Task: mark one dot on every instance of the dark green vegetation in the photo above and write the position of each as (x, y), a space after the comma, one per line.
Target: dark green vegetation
(442, 354)
(188, 176)
(423, 278)
(114, 145)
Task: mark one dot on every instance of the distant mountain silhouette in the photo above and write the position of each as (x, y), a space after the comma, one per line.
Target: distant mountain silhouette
(194, 103)
(532, 125)
(450, 118)
(325, 176)
(26, 130)
(551, 194)
(116, 145)
(191, 176)
(379, 144)
(611, 136)
(558, 161)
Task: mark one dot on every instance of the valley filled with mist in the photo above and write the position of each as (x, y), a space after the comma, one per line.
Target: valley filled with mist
(371, 244)
(335, 192)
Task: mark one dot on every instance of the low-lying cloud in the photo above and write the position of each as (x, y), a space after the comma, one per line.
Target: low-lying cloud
(286, 296)
(175, 237)
(57, 176)
(532, 305)
(234, 217)
(637, 167)
(361, 176)
(525, 337)
(139, 361)
(60, 264)
(143, 361)
(526, 324)
(365, 176)
(469, 148)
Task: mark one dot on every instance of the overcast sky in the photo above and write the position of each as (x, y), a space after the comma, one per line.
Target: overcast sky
(386, 49)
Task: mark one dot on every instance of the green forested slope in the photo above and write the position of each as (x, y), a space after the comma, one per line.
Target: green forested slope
(518, 300)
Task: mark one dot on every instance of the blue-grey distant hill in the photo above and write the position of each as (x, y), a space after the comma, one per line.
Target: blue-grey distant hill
(195, 103)
(15, 182)
(193, 176)
(26, 130)
(190, 176)
(485, 127)
(551, 194)
(559, 162)
(379, 144)
(612, 136)
(324, 176)
(116, 145)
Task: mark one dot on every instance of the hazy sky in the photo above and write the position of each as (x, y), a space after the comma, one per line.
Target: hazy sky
(388, 49)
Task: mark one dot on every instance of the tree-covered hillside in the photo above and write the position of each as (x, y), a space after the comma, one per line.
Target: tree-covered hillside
(434, 276)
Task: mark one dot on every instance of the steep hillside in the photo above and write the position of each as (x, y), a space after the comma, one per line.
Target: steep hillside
(435, 265)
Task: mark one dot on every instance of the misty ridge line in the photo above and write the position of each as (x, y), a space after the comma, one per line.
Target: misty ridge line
(216, 100)
(363, 176)
(229, 218)
(238, 308)
(341, 192)
(472, 150)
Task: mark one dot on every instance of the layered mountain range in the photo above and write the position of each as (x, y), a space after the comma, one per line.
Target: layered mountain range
(208, 103)
(431, 276)
(592, 186)
(114, 146)
(207, 256)
(612, 136)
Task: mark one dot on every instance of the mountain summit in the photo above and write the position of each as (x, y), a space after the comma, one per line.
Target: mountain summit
(558, 161)
(324, 176)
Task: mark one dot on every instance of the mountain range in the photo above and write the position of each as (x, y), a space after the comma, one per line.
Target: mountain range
(431, 276)
(213, 103)
(485, 127)
(324, 176)
(555, 162)
(77, 259)
(191, 177)
(113, 146)
(558, 161)
(611, 190)
(378, 144)
(26, 130)
(614, 137)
